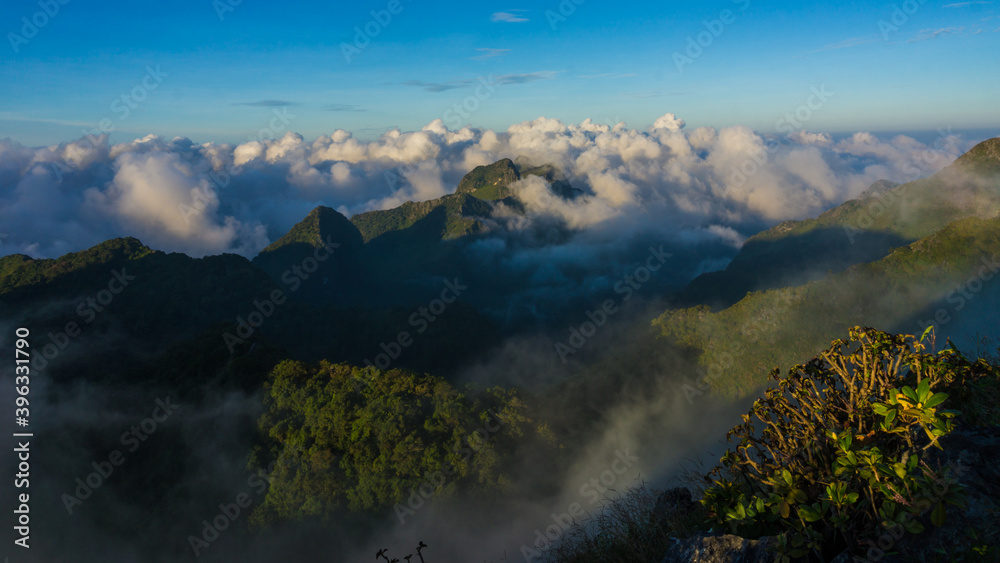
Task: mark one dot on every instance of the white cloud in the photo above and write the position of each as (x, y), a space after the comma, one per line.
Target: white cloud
(928, 34)
(669, 122)
(511, 16)
(665, 178)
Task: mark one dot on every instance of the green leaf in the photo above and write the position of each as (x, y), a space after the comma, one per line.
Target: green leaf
(937, 515)
(809, 514)
(936, 400)
(910, 393)
(923, 390)
(798, 495)
(926, 332)
(900, 470)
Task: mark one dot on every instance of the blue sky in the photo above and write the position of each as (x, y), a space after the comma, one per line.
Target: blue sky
(223, 78)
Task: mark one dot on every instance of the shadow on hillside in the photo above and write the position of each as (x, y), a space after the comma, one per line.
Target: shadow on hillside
(787, 261)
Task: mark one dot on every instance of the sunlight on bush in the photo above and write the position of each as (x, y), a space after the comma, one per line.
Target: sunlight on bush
(833, 454)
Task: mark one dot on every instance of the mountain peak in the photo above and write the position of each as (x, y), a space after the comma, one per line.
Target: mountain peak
(878, 188)
(983, 158)
(320, 223)
(490, 181)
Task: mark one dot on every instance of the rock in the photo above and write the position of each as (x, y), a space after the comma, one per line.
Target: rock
(705, 548)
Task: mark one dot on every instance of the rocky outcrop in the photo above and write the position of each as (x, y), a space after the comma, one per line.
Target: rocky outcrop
(706, 548)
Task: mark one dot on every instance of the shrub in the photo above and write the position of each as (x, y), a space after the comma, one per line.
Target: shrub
(832, 455)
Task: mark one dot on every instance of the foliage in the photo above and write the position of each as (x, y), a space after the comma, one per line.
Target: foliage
(449, 217)
(18, 270)
(364, 439)
(859, 230)
(490, 182)
(625, 529)
(313, 230)
(833, 453)
(983, 158)
(784, 326)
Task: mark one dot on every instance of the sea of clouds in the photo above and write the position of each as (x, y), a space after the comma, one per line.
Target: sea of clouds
(201, 199)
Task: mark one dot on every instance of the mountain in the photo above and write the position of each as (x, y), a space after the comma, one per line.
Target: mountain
(947, 276)
(120, 325)
(944, 278)
(99, 312)
(984, 158)
(490, 182)
(884, 217)
(459, 214)
(450, 217)
(19, 270)
(326, 243)
(878, 188)
(548, 172)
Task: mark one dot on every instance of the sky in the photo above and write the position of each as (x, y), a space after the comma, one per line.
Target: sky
(223, 70)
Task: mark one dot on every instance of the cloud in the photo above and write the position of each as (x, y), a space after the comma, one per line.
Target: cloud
(669, 122)
(525, 78)
(928, 34)
(511, 16)
(846, 43)
(342, 107)
(209, 198)
(606, 75)
(267, 103)
(503, 79)
(964, 4)
(10, 116)
(654, 94)
(489, 54)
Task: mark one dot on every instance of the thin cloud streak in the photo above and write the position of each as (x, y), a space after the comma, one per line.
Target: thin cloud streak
(267, 103)
(510, 16)
(503, 79)
(488, 53)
